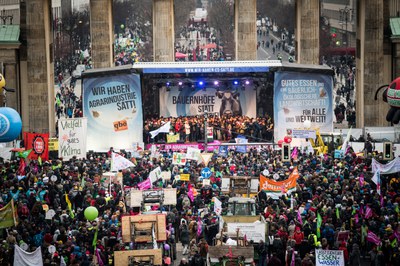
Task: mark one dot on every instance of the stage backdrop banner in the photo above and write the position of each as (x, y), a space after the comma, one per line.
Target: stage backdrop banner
(299, 97)
(188, 102)
(72, 138)
(113, 108)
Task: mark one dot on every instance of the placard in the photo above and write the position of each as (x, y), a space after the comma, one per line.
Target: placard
(253, 231)
(329, 257)
(225, 184)
(185, 177)
(206, 182)
(72, 138)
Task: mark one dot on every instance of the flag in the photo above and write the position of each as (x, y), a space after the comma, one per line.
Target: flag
(292, 263)
(163, 129)
(368, 212)
(356, 218)
(39, 160)
(295, 153)
(119, 162)
(394, 242)
(24, 154)
(21, 167)
(21, 257)
(94, 242)
(71, 212)
(378, 184)
(397, 209)
(337, 213)
(99, 260)
(62, 261)
(217, 206)
(199, 227)
(361, 179)
(319, 223)
(371, 237)
(346, 141)
(382, 202)
(83, 182)
(8, 215)
(299, 217)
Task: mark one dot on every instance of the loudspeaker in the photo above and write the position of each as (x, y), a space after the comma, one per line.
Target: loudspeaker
(387, 151)
(180, 141)
(200, 141)
(161, 142)
(285, 152)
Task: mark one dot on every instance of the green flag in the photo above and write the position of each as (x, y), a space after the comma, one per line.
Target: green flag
(319, 223)
(94, 243)
(39, 160)
(397, 209)
(7, 215)
(83, 182)
(24, 154)
(337, 213)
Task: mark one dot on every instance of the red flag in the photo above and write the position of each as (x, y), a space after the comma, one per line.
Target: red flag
(39, 143)
(21, 168)
(194, 55)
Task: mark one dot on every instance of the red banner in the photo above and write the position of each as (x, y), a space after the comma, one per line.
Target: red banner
(39, 143)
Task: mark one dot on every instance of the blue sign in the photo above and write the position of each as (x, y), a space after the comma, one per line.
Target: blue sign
(206, 172)
(199, 70)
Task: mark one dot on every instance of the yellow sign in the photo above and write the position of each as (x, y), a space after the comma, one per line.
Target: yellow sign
(53, 144)
(172, 138)
(185, 177)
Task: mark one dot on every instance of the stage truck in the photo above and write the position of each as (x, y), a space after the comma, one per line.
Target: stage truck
(117, 101)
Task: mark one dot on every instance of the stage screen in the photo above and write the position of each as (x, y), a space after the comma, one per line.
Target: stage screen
(190, 102)
(299, 97)
(113, 107)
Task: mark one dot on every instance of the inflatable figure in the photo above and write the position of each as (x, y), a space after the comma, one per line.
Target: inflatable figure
(392, 96)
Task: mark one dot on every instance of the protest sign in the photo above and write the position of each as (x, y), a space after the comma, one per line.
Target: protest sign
(329, 257)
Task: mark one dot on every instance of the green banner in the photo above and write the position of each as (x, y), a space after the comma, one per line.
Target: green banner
(6, 216)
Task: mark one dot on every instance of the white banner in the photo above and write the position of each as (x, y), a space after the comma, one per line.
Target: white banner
(303, 134)
(193, 153)
(23, 258)
(389, 168)
(72, 138)
(253, 231)
(174, 102)
(217, 205)
(329, 257)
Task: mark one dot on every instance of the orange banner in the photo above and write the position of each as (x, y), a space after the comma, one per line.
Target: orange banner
(279, 187)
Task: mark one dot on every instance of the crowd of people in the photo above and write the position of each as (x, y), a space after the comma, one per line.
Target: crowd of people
(225, 128)
(337, 194)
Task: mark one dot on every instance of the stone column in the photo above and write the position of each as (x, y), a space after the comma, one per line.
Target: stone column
(370, 64)
(102, 33)
(37, 67)
(307, 31)
(163, 31)
(246, 29)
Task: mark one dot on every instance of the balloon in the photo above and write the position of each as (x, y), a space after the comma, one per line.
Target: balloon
(280, 143)
(166, 247)
(91, 213)
(122, 26)
(307, 124)
(2, 83)
(287, 139)
(391, 95)
(10, 124)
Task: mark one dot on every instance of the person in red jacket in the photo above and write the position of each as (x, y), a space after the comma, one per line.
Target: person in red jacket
(298, 236)
(345, 251)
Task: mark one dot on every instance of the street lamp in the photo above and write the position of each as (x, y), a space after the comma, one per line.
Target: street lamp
(346, 15)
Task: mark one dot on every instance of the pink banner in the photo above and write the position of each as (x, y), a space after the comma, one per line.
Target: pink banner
(184, 146)
(145, 184)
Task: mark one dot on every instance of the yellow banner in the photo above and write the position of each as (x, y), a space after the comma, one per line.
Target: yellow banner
(7, 215)
(172, 138)
(53, 144)
(185, 177)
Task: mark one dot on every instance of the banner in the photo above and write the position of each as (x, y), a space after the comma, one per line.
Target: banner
(179, 158)
(253, 231)
(53, 144)
(389, 168)
(275, 189)
(113, 108)
(72, 138)
(329, 257)
(8, 215)
(303, 134)
(119, 162)
(175, 103)
(217, 205)
(172, 138)
(39, 145)
(23, 258)
(145, 184)
(193, 153)
(299, 97)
